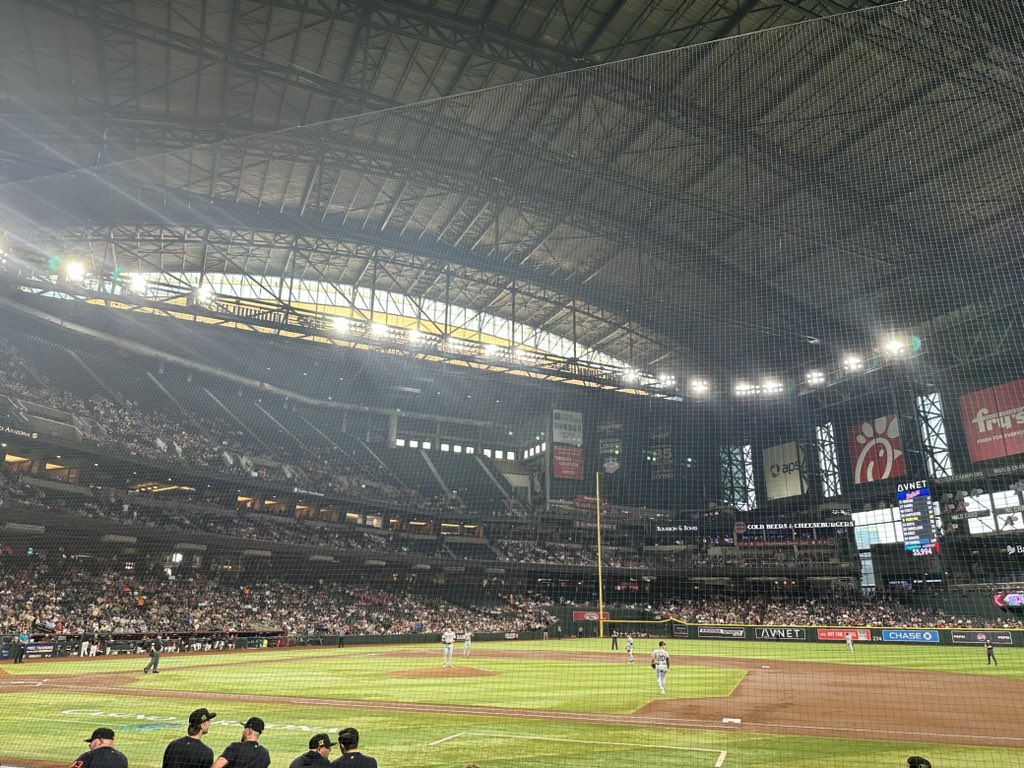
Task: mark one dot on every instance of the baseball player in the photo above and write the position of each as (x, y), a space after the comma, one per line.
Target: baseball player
(615, 640)
(155, 648)
(448, 638)
(247, 753)
(189, 751)
(101, 752)
(319, 750)
(990, 653)
(660, 663)
(351, 757)
(849, 641)
(467, 644)
(629, 649)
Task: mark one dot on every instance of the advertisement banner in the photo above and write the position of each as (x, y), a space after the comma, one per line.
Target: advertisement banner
(659, 456)
(780, 633)
(609, 446)
(567, 428)
(722, 633)
(567, 463)
(589, 616)
(681, 631)
(838, 634)
(784, 471)
(993, 421)
(876, 450)
(910, 635)
(978, 637)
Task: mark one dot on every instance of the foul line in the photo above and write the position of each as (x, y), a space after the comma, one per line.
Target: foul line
(487, 735)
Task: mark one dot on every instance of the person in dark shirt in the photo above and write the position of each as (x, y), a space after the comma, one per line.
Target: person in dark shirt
(101, 752)
(319, 750)
(189, 751)
(247, 753)
(155, 649)
(351, 757)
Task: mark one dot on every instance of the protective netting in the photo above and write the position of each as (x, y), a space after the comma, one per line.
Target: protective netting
(743, 318)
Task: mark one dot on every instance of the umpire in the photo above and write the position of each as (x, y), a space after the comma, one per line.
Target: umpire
(101, 752)
(155, 648)
(189, 751)
(247, 753)
(319, 750)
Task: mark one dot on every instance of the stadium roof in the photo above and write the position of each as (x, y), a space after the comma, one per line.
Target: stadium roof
(759, 205)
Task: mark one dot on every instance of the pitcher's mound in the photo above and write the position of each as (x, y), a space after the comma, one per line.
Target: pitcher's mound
(442, 672)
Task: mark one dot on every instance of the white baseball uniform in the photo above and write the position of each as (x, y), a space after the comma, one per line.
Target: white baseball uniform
(448, 638)
(661, 663)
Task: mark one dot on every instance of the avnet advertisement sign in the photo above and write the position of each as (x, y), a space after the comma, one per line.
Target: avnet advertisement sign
(780, 633)
(910, 635)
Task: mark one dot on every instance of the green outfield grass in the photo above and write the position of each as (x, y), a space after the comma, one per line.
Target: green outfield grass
(37, 723)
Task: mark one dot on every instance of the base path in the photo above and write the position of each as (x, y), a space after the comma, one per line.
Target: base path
(777, 697)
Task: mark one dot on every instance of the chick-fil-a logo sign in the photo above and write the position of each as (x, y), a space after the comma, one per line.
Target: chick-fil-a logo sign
(877, 450)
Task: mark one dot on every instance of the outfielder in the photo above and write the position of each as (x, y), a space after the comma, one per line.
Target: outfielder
(849, 641)
(467, 644)
(629, 649)
(448, 638)
(660, 663)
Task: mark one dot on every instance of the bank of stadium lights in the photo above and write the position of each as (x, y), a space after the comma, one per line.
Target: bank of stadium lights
(490, 350)
(415, 337)
(853, 363)
(772, 387)
(666, 381)
(815, 378)
(75, 272)
(341, 324)
(204, 294)
(379, 330)
(138, 283)
(699, 387)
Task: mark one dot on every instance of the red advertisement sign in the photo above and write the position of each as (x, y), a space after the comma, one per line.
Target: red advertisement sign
(589, 615)
(839, 634)
(876, 450)
(994, 421)
(567, 462)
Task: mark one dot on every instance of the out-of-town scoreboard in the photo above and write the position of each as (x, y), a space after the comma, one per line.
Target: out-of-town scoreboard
(917, 517)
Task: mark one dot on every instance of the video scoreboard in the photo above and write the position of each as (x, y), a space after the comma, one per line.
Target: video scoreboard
(917, 517)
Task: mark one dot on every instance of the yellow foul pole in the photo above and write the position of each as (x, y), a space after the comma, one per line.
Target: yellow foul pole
(600, 569)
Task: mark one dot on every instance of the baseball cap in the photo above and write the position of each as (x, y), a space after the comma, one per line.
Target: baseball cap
(255, 723)
(320, 740)
(101, 733)
(201, 716)
(661, 643)
(918, 762)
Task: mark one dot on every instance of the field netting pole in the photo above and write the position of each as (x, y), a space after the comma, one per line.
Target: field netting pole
(600, 570)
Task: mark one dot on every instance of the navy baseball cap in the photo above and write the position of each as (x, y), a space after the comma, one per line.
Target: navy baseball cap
(321, 740)
(201, 716)
(255, 724)
(101, 733)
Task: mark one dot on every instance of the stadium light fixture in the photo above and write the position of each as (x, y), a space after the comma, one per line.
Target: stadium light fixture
(666, 381)
(815, 378)
(341, 324)
(204, 293)
(853, 363)
(894, 346)
(75, 272)
(630, 376)
(771, 387)
(415, 337)
(378, 330)
(490, 350)
(699, 386)
(745, 388)
(138, 283)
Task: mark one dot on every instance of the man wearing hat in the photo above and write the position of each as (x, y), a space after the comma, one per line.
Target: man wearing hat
(351, 757)
(101, 752)
(918, 762)
(247, 753)
(660, 663)
(319, 750)
(189, 751)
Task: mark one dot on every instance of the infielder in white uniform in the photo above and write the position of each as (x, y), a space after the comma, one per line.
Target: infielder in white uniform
(448, 638)
(629, 649)
(660, 664)
(467, 644)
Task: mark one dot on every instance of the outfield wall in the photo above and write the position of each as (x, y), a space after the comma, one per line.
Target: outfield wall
(812, 634)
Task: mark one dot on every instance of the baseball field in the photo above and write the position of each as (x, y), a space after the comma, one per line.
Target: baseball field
(555, 703)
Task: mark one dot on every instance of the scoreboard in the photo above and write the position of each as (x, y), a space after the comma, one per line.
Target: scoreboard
(917, 518)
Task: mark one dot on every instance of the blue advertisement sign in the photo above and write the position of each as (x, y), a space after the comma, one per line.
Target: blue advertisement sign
(910, 635)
